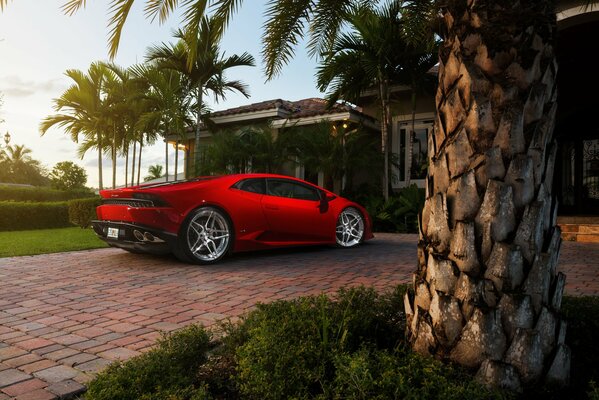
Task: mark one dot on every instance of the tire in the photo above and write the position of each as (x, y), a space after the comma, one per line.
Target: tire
(349, 230)
(205, 237)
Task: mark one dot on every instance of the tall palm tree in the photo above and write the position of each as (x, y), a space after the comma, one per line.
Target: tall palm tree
(486, 292)
(373, 52)
(168, 105)
(202, 62)
(83, 107)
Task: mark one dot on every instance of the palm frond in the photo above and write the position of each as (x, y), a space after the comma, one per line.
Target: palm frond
(159, 8)
(118, 11)
(72, 6)
(224, 10)
(286, 22)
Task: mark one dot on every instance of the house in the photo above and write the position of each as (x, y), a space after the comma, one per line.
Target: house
(278, 114)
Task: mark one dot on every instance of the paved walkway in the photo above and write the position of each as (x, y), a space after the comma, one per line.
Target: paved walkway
(63, 317)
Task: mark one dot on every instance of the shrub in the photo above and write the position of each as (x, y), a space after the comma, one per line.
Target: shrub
(582, 315)
(398, 214)
(290, 346)
(15, 216)
(381, 374)
(41, 194)
(83, 211)
(165, 372)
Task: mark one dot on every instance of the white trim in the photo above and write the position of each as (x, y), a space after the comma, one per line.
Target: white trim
(418, 116)
(345, 116)
(275, 112)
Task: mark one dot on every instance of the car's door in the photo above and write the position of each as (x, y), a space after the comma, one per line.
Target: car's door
(294, 213)
(250, 221)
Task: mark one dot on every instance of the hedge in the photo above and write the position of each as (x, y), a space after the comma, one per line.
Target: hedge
(17, 216)
(82, 211)
(41, 194)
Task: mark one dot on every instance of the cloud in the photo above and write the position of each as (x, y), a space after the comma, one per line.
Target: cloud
(14, 86)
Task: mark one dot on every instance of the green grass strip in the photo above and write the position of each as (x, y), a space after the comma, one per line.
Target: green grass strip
(44, 241)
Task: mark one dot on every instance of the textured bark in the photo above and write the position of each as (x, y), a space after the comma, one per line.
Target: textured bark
(486, 293)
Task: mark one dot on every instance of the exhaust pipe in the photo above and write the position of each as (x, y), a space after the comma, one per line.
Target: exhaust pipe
(146, 237)
(149, 237)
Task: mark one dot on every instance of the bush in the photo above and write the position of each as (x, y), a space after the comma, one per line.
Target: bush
(41, 194)
(398, 214)
(381, 374)
(166, 372)
(16, 216)
(315, 347)
(582, 315)
(83, 211)
(348, 347)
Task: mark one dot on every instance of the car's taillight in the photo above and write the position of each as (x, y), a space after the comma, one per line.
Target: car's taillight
(156, 200)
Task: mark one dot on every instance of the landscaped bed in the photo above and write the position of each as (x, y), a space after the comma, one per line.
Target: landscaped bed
(42, 241)
(314, 347)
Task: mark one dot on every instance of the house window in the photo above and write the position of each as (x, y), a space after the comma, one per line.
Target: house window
(411, 149)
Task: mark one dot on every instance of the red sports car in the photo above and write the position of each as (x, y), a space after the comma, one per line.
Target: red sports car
(203, 219)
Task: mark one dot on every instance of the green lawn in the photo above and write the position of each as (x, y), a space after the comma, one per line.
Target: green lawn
(43, 241)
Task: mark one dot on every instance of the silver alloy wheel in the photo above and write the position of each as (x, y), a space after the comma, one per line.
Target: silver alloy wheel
(208, 235)
(350, 228)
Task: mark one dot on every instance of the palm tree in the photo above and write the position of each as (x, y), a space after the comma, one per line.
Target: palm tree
(168, 105)
(154, 172)
(18, 166)
(84, 109)
(486, 292)
(204, 66)
(374, 53)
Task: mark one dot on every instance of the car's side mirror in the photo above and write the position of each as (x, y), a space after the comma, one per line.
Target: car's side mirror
(324, 201)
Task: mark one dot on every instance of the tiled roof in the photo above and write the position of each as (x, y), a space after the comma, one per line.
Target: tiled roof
(296, 109)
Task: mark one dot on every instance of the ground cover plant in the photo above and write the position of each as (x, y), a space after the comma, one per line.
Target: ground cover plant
(44, 241)
(347, 347)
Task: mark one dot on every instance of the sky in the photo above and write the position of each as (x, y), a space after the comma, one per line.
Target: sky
(38, 43)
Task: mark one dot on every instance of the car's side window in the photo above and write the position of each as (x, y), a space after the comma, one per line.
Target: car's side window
(257, 185)
(294, 190)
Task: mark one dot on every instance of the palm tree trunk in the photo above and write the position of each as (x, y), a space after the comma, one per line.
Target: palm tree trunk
(411, 139)
(133, 160)
(197, 155)
(486, 293)
(126, 163)
(100, 182)
(166, 156)
(141, 145)
(176, 158)
(114, 158)
(384, 96)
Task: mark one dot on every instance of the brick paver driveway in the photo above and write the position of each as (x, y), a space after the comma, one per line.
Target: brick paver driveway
(65, 316)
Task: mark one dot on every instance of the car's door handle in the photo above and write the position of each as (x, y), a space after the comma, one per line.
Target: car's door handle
(271, 207)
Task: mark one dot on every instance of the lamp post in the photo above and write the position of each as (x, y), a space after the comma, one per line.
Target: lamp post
(6, 141)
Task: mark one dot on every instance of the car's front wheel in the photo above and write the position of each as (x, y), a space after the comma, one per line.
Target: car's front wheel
(350, 228)
(206, 236)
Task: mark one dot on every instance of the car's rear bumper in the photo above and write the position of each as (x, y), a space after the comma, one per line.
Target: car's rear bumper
(136, 237)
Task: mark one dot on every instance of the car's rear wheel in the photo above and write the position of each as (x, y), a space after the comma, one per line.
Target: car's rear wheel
(206, 236)
(350, 228)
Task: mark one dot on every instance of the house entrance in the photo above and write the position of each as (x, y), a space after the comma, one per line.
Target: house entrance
(576, 179)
